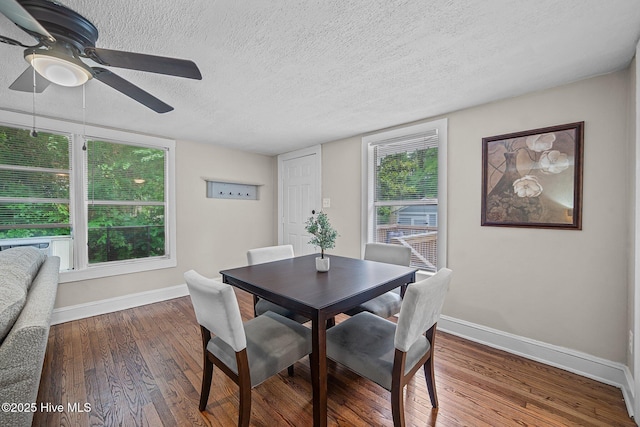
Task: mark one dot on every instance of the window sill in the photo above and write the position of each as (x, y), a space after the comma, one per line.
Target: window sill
(127, 267)
(423, 274)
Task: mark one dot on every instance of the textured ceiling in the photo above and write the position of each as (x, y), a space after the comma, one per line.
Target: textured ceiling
(284, 74)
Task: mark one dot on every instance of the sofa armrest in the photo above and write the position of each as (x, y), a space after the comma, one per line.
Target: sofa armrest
(22, 351)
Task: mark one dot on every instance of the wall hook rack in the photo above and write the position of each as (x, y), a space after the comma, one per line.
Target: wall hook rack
(218, 189)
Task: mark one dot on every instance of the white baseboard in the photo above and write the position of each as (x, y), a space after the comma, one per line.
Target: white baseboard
(95, 308)
(583, 364)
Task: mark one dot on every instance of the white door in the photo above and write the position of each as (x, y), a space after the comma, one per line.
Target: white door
(299, 196)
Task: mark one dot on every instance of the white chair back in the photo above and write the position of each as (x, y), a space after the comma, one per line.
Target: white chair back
(217, 309)
(269, 253)
(421, 308)
(391, 254)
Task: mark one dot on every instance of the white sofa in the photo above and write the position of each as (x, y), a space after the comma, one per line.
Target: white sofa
(28, 286)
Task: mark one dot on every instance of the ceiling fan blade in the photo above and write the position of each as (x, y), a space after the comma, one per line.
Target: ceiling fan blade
(143, 62)
(131, 90)
(24, 83)
(12, 42)
(23, 19)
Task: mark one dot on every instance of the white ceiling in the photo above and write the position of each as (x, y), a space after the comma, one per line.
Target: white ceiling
(285, 74)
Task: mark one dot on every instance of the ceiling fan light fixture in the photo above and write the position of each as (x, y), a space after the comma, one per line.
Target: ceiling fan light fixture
(65, 38)
(58, 69)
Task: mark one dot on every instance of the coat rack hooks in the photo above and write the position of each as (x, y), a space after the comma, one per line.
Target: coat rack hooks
(231, 190)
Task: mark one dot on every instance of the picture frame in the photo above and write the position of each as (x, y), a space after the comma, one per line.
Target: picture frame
(533, 178)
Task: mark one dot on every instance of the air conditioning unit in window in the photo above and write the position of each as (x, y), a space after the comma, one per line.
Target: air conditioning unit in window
(44, 244)
(51, 246)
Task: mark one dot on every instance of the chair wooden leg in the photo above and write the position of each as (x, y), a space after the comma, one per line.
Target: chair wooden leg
(207, 374)
(255, 301)
(245, 407)
(244, 382)
(398, 381)
(207, 369)
(397, 406)
(429, 367)
(431, 383)
(331, 322)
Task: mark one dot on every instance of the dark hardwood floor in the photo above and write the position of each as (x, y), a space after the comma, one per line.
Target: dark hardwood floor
(142, 367)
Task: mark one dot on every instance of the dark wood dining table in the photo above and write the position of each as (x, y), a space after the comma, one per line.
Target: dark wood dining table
(295, 284)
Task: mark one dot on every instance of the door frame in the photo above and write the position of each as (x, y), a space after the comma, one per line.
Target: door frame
(313, 150)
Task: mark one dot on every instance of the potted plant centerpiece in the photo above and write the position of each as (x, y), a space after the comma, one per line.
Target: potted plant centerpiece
(324, 236)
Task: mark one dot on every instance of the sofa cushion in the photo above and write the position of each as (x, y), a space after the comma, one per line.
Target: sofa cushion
(12, 299)
(21, 265)
(18, 268)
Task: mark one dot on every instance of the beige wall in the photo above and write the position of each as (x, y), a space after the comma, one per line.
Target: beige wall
(213, 234)
(567, 288)
(341, 182)
(562, 287)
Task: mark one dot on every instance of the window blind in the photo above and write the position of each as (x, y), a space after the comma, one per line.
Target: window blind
(406, 169)
(405, 194)
(125, 201)
(34, 183)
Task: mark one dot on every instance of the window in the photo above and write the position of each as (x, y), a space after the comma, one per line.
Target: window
(406, 191)
(125, 201)
(34, 184)
(103, 203)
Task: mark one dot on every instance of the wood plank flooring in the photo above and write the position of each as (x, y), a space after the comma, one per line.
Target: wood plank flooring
(142, 367)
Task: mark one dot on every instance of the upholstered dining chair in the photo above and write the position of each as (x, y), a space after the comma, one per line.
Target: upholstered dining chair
(390, 354)
(389, 303)
(248, 353)
(269, 254)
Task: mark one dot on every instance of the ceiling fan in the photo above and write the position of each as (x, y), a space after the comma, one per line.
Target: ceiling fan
(65, 37)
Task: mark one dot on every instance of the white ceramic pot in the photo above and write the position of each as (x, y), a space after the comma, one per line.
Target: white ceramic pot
(322, 264)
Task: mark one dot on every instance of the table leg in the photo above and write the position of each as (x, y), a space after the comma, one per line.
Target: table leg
(319, 370)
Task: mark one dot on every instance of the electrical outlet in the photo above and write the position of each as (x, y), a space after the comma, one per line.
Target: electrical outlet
(630, 342)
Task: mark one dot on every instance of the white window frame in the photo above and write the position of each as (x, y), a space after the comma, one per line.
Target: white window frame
(368, 184)
(78, 194)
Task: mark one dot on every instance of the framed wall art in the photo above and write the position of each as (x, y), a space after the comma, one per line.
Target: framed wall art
(533, 178)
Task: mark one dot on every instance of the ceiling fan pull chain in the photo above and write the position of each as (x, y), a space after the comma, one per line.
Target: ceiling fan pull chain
(90, 155)
(90, 166)
(84, 119)
(34, 133)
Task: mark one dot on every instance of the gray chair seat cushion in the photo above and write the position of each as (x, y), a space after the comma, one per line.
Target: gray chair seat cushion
(385, 305)
(364, 344)
(274, 343)
(263, 306)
